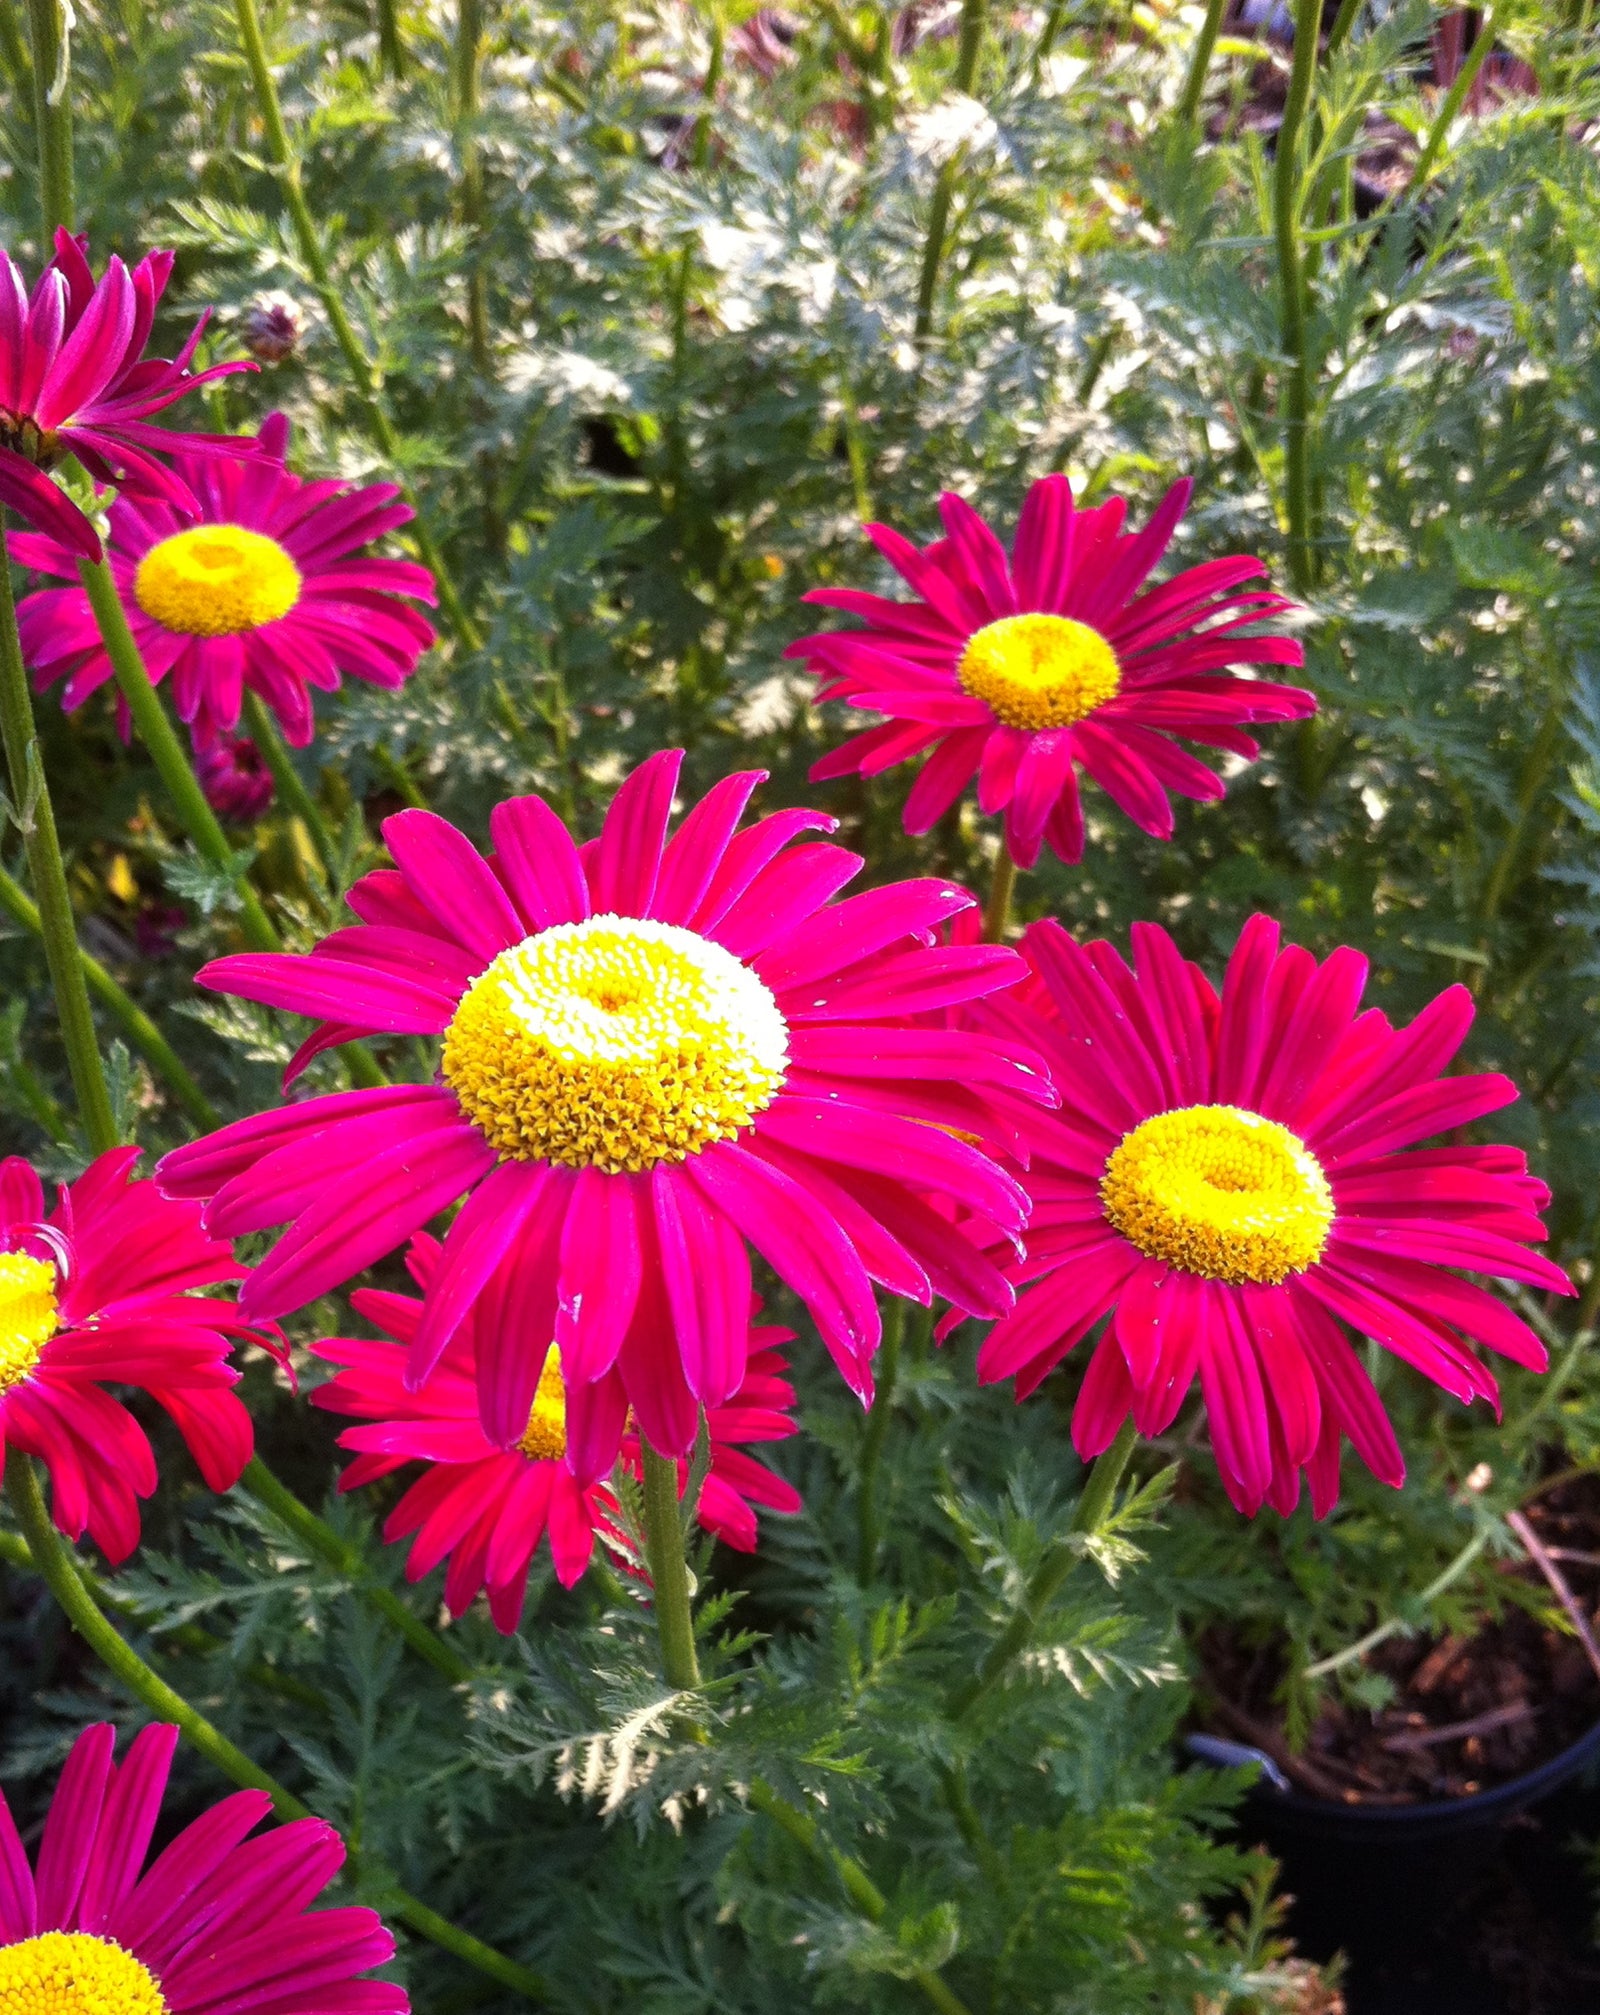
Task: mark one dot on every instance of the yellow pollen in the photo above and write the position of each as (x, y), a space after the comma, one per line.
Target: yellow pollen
(544, 1439)
(1218, 1191)
(1039, 671)
(216, 581)
(615, 1043)
(27, 1323)
(70, 1973)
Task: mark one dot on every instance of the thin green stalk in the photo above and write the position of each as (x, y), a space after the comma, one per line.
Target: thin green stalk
(52, 111)
(701, 152)
(1292, 297)
(1045, 1582)
(669, 1571)
(167, 751)
(863, 1892)
(30, 795)
(1445, 117)
(997, 910)
(1200, 62)
(870, 1510)
(468, 50)
(321, 1539)
(60, 1572)
(1396, 1624)
(391, 49)
(363, 376)
(1047, 37)
(135, 1024)
(974, 13)
(292, 793)
(1343, 22)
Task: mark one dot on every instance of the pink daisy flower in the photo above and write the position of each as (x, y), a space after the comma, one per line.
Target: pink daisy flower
(217, 1925)
(257, 580)
(101, 1293)
(236, 782)
(657, 1052)
(1234, 1179)
(487, 1504)
(74, 380)
(1021, 671)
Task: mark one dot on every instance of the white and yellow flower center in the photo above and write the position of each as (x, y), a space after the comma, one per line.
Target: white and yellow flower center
(70, 1973)
(615, 1043)
(1039, 671)
(544, 1439)
(216, 581)
(1218, 1191)
(27, 1323)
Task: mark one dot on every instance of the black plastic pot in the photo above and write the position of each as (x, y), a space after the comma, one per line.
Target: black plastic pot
(1364, 1875)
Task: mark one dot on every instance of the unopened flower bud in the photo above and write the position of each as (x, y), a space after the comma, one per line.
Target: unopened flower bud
(273, 326)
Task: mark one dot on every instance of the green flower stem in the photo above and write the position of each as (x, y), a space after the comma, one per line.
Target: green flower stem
(669, 1571)
(54, 1562)
(997, 910)
(871, 1511)
(863, 1892)
(1445, 117)
(1396, 1624)
(1343, 22)
(1092, 1510)
(31, 801)
(170, 757)
(391, 49)
(1292, 302)
(321, 1540)
(973, 16)
(292, 793)
(135, 1024)
(52, 111)
(468, 56)
(363, 374)
(1200, 62)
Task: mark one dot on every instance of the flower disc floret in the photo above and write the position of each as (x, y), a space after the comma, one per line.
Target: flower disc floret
(216, 581)
(616, 1043)
(71, 1973)
(1039, 672)
(545, 1437)
(27, 1317)
(1221, 1192)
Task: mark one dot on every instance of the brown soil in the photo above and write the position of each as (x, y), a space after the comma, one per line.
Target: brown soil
(1469, 1712)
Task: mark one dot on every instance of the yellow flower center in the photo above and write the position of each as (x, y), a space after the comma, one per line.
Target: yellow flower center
(1215, 1190)
(216, 580)
(544, 1439)
(27, 1323)
(1039, 672)
(70, 1973)
(616, 1043)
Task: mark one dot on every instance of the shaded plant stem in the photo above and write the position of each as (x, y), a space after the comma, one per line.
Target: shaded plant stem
(35, 813)
(870, 1510)
(858, 1885)
(669, 1571)
(1396, 1624)
(135, 1024)
(364, 377)
(1292, 304)
(60, 1572)
(167, 751)
(1045, 1582)
(1445, 117)
(997, 910)
(1343, 22)
(1200, 62)
(320, 1539)
(52, 112)
(286, 780)
(974, 13)
(391, 48)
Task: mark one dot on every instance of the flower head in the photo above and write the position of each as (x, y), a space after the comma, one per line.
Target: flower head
(1233, 1179)
(101, 1293)
(214, 1922)
(656, 1053)
(1021, 670)
(273, 327)
(258, 580)
(74, 380)
(237, 783)
(485, 1504)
